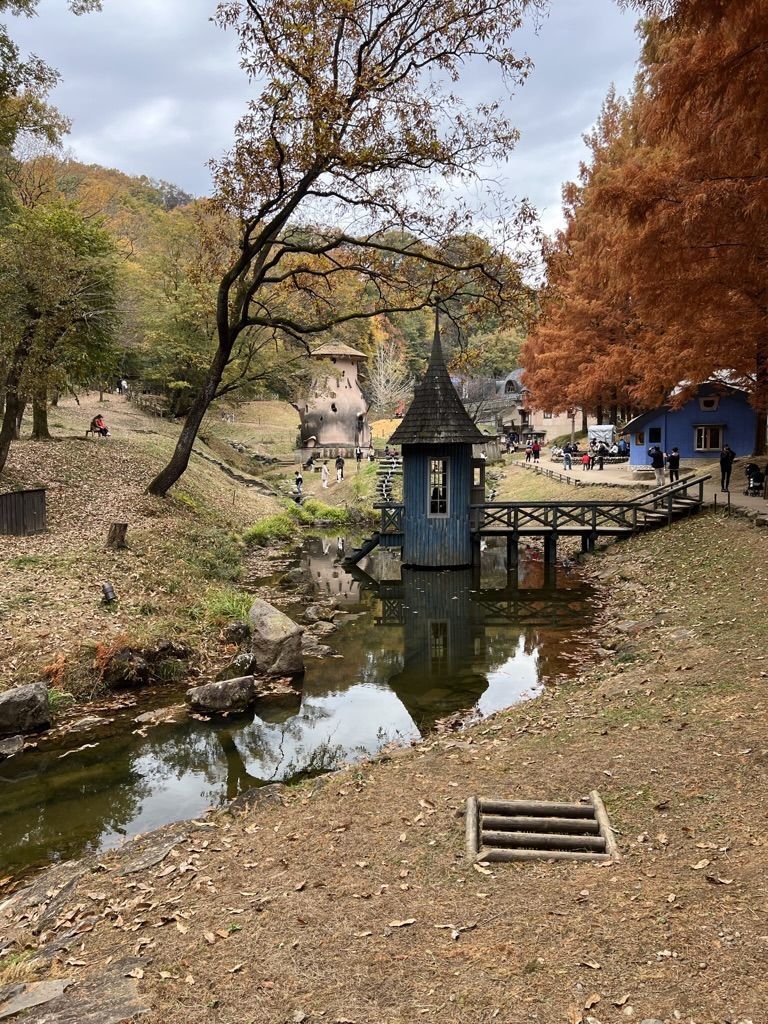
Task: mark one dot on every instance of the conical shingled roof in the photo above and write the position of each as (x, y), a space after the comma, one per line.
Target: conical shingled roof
(436, 414)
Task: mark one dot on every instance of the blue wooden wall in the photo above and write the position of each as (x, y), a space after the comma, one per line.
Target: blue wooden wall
(437, 542)
(677, 426)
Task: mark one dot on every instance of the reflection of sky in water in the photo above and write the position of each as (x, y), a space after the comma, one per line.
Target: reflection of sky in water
(517, 679)
(392, 680)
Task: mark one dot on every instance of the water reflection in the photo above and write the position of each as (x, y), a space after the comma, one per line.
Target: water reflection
(426, 646)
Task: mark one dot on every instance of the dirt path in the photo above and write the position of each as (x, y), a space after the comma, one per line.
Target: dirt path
(349, 899)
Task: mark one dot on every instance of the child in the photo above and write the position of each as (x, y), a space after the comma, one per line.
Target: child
(586, 461)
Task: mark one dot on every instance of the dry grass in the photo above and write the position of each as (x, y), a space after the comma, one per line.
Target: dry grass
(50, 605)
(518, 484)
(289, 913)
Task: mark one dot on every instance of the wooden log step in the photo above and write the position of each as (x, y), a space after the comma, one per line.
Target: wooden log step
(503, 823)
(544, 840)
(537, 808)
(501, 856)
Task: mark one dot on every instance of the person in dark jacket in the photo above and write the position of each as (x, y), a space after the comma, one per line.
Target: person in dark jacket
(727, 455)
(673, 465)
(657, 461)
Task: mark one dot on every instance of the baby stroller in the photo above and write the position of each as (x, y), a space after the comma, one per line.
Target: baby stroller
(755, 480)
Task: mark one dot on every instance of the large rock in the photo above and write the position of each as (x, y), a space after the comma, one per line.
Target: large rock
(275, 641)
(227, 695)
(24, 709)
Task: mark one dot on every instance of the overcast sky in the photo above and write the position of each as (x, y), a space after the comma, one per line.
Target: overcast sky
(153, 87)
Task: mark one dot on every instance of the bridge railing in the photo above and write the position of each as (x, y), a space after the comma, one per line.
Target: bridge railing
(392, 517)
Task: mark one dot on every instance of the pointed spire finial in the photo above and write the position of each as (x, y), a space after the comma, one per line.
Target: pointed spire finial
(436, 357)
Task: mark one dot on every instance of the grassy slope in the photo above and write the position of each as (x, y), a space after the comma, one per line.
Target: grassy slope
(669, 727)
(179, 549)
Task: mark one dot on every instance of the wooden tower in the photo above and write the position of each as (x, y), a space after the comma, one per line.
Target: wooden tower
(437, 435)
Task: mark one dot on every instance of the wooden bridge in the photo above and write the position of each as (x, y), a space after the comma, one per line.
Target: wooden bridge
(551, 520)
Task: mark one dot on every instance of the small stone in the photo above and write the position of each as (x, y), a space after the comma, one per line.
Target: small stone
(13, 745)
(126, 668)
(226, 695)
(241, 665)
(24, 709)
(292, 578)
(236, 632)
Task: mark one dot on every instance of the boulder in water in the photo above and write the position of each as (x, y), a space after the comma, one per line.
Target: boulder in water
(227, 695)
(24, 709)
(275, 641)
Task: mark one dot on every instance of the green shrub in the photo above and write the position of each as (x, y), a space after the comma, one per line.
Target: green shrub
(217, 555)
(318, 511)
(226, 605)
(271, 528)
(59, 699)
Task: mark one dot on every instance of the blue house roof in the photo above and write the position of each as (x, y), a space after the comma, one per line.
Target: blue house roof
(707, 388)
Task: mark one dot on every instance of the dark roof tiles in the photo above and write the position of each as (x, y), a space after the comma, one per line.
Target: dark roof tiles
(436, 414)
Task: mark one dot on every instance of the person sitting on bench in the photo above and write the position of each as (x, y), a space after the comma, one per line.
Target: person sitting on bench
(98, 426)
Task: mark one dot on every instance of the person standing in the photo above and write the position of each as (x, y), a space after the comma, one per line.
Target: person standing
(657, 461)
(602, 451)
(358, 455)
(528, 452)
(727, 455)
(324, 474)
(673, 465)
(299, 482)
(536, 450)
(585, 462)
(339, 468)
(567, 460)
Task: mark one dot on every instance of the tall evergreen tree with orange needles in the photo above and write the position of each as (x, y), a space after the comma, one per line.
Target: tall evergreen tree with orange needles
(584, 347)
(693, 194)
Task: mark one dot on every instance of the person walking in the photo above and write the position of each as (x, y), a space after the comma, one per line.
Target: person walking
(602, 451)
(673, 465)
(536, 450)
(657, 461)
(299, 482)
(358, 455)
(567, 460)
(339, 468)
(324, 474)
(727, 455)
(528, 452)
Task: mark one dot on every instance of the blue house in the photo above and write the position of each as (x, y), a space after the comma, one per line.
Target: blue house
(717, 414)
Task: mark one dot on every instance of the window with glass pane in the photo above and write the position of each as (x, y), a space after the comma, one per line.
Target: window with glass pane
(438, 644)
(709, 438)
(438, 487)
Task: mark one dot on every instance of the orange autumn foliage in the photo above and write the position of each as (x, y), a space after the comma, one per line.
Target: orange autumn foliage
(670, 236)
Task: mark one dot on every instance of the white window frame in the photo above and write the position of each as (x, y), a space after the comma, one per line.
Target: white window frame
(445, 472)
(719, 427)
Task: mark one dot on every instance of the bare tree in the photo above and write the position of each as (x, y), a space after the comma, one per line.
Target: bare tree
(354, 129)
(388, 382)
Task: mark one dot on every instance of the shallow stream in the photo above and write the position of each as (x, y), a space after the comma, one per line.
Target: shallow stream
(420, 646)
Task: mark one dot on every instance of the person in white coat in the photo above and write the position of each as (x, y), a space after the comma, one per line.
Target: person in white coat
(324, 474)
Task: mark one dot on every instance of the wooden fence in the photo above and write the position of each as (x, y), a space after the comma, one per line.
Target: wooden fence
(22, 513)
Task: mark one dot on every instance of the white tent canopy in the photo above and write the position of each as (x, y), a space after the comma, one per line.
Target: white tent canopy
(605, 432)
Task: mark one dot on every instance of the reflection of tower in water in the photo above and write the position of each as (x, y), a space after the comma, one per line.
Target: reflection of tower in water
(442, 628)
(321, 555)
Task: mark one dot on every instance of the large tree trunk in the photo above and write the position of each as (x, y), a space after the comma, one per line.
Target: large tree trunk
(599, 413)
(40, 431)
(584, 420)
(14, 404)
(168, 476)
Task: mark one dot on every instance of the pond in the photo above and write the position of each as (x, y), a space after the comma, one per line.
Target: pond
(418, 647)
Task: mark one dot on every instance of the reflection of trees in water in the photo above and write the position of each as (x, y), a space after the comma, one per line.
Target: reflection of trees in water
(61, 808)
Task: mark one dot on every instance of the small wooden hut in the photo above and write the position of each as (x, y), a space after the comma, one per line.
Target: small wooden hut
(439, 475)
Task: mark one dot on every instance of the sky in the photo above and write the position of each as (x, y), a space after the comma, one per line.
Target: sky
(153, 87)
